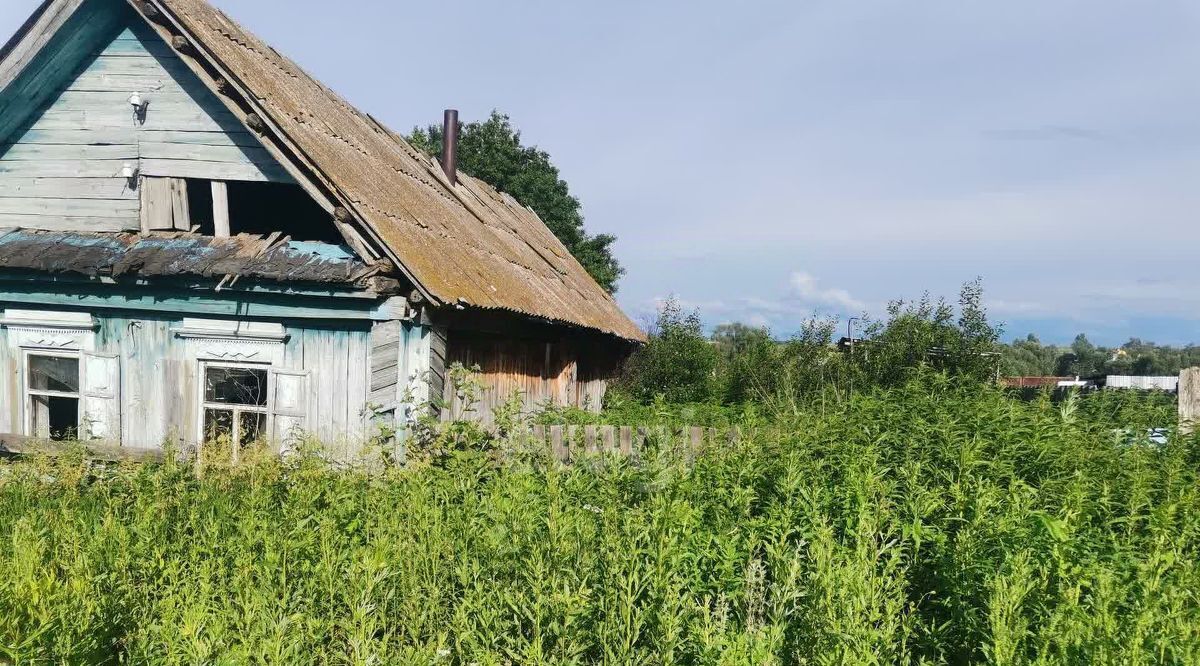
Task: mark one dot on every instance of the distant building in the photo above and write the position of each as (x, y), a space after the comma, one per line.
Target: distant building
(1169, 384)
(1042, 382)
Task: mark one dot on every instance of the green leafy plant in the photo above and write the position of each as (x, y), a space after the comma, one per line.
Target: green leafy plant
(935, 521)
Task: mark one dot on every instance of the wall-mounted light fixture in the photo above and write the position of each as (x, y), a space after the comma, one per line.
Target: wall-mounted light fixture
(140, 105)
(129, 172)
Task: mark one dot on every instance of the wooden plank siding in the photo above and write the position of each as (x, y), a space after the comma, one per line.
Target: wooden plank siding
(62, 168)
(538, 372)
(161, 382)
(386, 366)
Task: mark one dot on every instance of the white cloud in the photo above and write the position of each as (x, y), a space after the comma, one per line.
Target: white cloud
(1001, 306)
(805, 288)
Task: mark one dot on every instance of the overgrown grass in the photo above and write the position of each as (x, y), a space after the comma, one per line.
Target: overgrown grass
(930, 524)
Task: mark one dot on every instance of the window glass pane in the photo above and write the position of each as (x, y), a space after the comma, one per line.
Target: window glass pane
(54, 373)
(218, 425)
(252, 427)
(54, 418)
(236, 386)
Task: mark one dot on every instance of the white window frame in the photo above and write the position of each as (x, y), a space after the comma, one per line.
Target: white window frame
(238, 410)
(28, 393)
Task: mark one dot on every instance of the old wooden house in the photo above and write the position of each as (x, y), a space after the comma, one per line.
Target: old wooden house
(198, 239)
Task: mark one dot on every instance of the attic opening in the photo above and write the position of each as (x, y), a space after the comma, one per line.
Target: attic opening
(229, 208)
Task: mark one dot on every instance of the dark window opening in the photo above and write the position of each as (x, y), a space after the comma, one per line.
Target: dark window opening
(200, 206)
(236, 386)
(260, 209)
(56, 419)
(264, 208)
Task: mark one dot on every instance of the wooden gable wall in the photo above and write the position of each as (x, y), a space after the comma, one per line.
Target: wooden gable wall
(61, 161)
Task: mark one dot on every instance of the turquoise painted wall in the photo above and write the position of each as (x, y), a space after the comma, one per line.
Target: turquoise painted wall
(161, 383)
(61, 167)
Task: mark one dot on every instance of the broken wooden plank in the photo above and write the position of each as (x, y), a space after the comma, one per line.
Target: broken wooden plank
(20, 445)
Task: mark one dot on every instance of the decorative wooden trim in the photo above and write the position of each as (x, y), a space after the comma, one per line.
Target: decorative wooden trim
(245, 337)
(48, 320)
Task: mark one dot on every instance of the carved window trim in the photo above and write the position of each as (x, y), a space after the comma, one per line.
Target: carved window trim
(232, 330)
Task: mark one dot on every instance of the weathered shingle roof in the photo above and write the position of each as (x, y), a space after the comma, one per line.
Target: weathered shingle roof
(176, 254)
(466, 244)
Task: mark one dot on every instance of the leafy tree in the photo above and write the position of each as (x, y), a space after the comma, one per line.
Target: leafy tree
(1028, 358)
(1084, 359)
(676, 364)
(928, 333)
(492, 151)
(748, 361)
(741, 363)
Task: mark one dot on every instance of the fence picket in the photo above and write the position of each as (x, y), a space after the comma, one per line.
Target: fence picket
(556, 443)
(608, 439)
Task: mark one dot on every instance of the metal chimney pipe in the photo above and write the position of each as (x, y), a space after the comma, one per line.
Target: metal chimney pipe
(450, 146)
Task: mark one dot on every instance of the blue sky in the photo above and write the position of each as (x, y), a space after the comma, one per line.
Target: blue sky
(766, 160)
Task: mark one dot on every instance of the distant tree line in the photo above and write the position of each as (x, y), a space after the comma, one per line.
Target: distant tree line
(1029, 357)
(739, 363)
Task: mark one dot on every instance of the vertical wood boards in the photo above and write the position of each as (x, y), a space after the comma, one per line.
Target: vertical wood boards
(157, 214)
(439, 363)
(537, 372)
(288, 411)
(414, 391)
(164, 204)
(153, 395)
(356, 384)
(160, 383)
(337, 362)
(179, 204)
(220, 202)
(73, 141)
(385, 364)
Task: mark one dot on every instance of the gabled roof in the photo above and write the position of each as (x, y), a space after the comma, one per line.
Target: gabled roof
(465, 244)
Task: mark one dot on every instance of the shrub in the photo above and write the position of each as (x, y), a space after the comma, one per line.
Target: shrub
(677, 363)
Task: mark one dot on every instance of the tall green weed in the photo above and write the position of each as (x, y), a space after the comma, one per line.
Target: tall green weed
(937, 522)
